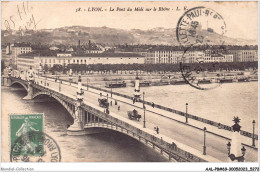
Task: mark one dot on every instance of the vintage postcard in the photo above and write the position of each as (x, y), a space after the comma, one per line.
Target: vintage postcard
(122, 81)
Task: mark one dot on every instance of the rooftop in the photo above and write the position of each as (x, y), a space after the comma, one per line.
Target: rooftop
(107, 55)
(22, 44)
(53, 53)
(40, 53)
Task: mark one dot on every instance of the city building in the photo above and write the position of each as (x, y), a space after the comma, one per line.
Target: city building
(244, 55)
(90, 59)
(216, 58)
(173, 56)
(25, 62)
(163, 55)
(70, 49)
(51, 58)
(5, 57)
(16, 49)
(176, 55)
(228, 57)
(94, 51)
(95, 54)
(93, 48)
(194, 56)
(132, 49)
(150, 57)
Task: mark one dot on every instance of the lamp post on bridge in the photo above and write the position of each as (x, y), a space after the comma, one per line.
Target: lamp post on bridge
(31, 74)
(233, 157)
(234, 152)
(204, 146)
(111, 92)
(80, 91)
(40, 70)
(77, 128)
(87, 83)
(31, 81)
(186, 113)
(144, 110)
(253, 137)
(70, 76)
(9, 71)
(59, 83)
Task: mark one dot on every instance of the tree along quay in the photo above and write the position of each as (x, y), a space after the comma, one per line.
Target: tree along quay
(149, 68)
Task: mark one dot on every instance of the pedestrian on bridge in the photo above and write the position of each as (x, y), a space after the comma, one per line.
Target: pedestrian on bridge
(118, 108)
(156, 129)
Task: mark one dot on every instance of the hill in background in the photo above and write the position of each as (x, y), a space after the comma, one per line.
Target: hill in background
(110, 36)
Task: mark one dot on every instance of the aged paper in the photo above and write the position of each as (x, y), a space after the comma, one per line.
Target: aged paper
(129, 82)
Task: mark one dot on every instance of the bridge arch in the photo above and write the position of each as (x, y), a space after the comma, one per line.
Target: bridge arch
(111, 127)
(62, 102)
(20, 83)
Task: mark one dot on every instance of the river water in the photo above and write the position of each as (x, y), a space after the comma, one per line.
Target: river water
(103, 147)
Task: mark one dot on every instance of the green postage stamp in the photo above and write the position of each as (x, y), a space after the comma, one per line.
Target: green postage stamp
(21, 129)
(28, 141)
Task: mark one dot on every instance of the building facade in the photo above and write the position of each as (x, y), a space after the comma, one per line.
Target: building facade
(25, 62)
(245, 55)
(163, 56)
(228, 58)
(65, 60)
(193, 56)
(173, 57)
(16, 49)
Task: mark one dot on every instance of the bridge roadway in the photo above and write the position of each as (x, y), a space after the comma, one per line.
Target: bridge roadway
(190, 136)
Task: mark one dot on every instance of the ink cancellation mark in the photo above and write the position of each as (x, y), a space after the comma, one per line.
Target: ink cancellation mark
(35, 146)
(193, 31)
(198, 24)
(195, 74)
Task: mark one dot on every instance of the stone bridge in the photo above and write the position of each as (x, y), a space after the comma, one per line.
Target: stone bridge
(89, 118)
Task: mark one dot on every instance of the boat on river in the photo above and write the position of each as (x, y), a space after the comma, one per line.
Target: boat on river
(204, 81)
(115, 84)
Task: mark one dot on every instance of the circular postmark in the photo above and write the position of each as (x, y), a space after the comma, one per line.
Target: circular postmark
(196, 71)
(200, 31)
(35, 146)
(198, 25)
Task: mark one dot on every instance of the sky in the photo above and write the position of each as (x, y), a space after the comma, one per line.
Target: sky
(241, 18)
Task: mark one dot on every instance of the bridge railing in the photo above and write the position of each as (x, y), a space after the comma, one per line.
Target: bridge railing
(170, 148)
(52, 92)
